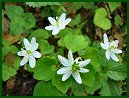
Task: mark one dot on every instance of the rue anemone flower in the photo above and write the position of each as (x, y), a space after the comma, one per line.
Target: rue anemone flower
(111, 48)
(29, 52)
(57, 24)
(72, 67)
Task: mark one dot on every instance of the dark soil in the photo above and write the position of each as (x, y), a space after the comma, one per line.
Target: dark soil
(21, 84)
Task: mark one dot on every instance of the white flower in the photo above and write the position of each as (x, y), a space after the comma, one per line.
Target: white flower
(72, 67)
(57, 24)
(29, 52)
(111, 48)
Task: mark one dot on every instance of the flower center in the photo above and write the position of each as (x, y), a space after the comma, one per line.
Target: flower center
(57, 23)
(112, 47)
(28, 52)
(75, 67)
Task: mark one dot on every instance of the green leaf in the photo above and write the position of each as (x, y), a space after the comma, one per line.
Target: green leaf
(16, 27)
(39, 4)
(29, 21)
(105, 90)
(13, 49)
(115, 88)
(111, 88)
(76, 21)
(61, 42)
(5, 42)
(91, 53)
(96, 86)
(5, 51)
(62, 86)
(76, 6)
(89, 77)
(45, 47)
(20, 21)
(39, 34)
(100, 19)
(57, 10)
(16, 63)
(46, 12)
(89, 5)
(14, 11)
(7, 71)
(78, 89)
(114, 5)
(118, 20)
(45, 89)
(117, 71)
(75, 42)
(64, 32)
(45, 68)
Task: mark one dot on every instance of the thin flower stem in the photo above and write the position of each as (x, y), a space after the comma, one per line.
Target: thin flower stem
(108, 10)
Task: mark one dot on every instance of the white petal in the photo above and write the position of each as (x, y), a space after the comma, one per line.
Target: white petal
(24, 61)
(105, 39)
(62, 26)
(64, 61)
(77, 60)
(51, 27)
(114, 43)
(63, 70)
(117, 51)
(113, 56)
(55, 31)
(104, 46)
(70, 57)
(36, 54)
(22, 53)
(62, 17)
(77, 77)
(83, 70)
(33, 40)
(27, 44)
(34, 45)
(67, 21)
(84, 63)
(107, 53)
(66, 76)
(32, 61)
(52, 20)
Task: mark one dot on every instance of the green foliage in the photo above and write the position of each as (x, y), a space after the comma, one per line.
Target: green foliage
(45, 47)
(118, 20)
(7, 71)
(115, 88)
(111, 88)
(78, 90)
(114, 5)
(57, 10)
(78, 5)
(91, 53)
(20, 21)
(104, 77)
(76, 21)
(45, 68)
(117, 71)
(101, 20)
(39, 34)
(96, 85)
(75, 42)
(62, 86)
(39, 4)
(89, 77)
(7, 47)
(45, 89)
